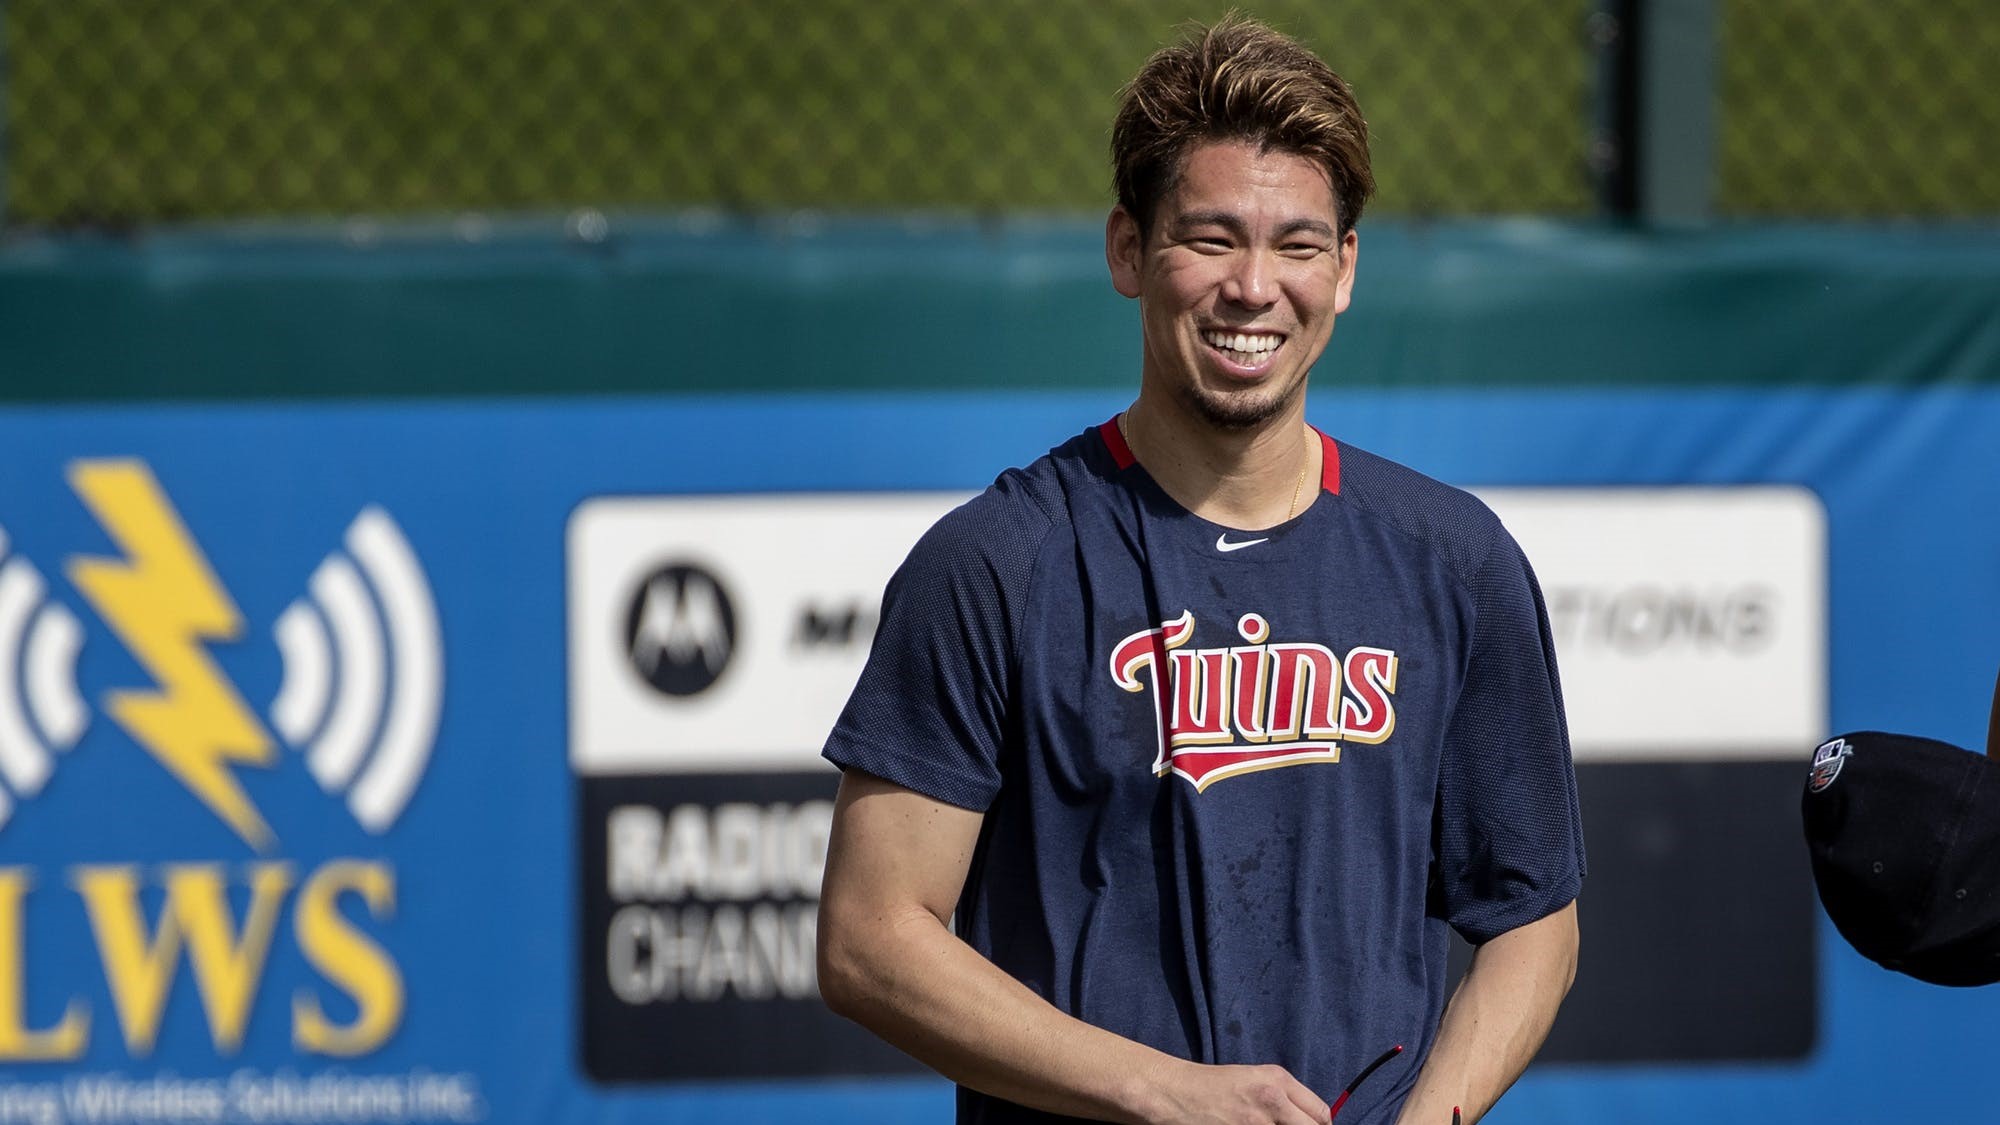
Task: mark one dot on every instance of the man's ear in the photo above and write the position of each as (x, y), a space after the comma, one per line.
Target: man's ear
(1350, 252)
(1124, 250)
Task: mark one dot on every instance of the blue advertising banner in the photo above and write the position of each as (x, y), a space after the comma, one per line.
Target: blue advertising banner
(292, 831)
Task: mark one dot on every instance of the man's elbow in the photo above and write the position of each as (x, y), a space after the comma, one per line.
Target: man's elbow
(858, 953)
(862, 953)
(842, 968)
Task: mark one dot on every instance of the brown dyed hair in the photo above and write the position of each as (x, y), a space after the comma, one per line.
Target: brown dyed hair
(1236, 81)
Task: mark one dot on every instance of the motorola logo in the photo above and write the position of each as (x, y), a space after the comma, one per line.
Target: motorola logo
(680, 630)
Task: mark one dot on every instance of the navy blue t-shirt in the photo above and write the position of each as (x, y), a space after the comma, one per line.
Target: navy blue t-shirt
(1236, 784)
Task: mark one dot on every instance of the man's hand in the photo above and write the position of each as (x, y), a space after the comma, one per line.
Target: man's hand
(1194, 1094)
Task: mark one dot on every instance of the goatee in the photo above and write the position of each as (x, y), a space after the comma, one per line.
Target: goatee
(1238, 412)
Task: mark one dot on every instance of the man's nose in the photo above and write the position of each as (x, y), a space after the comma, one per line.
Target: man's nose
(1252, 281)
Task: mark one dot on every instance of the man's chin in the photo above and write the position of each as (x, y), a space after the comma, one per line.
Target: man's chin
(1243, 410)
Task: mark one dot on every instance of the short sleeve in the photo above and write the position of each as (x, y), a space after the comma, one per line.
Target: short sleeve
(1510, 836)
(930, 710)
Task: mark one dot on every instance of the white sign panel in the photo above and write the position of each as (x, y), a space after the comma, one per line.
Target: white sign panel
(725, 633)
(1689, 622)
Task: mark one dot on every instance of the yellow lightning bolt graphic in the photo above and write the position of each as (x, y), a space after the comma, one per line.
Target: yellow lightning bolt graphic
(163, 601)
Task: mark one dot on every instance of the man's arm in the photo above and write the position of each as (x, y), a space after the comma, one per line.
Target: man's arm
(889, 961)
(1496, 1020)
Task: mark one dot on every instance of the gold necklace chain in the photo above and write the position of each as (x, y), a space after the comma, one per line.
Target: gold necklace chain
(1298, 485)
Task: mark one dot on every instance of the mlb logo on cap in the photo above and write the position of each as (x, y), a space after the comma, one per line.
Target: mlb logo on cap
(1905, 840)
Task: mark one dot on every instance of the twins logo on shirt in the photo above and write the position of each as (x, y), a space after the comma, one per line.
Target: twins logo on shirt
(1228, 711)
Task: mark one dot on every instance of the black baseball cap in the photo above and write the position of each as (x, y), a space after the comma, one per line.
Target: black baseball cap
(1905, 840)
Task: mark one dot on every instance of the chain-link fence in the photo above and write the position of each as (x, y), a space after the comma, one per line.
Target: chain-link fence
(1859, 107)
(134, 111)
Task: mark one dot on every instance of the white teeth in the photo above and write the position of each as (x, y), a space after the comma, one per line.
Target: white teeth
(1248, 344)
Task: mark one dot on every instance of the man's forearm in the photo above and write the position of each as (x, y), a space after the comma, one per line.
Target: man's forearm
(1496, 1020)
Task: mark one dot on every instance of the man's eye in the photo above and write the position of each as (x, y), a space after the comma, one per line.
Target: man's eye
(1302, 249)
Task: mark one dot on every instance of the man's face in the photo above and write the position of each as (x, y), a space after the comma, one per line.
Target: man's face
(1238, 281)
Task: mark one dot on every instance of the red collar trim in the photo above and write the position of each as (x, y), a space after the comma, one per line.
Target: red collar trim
(1329, 466)
(1329, 463)
(1115, 442)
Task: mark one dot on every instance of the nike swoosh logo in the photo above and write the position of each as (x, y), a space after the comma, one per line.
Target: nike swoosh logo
(1222, 543)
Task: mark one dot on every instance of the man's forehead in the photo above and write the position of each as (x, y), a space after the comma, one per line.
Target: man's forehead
(1236, 178)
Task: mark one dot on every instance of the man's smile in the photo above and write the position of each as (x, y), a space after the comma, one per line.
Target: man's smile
(1247, 352)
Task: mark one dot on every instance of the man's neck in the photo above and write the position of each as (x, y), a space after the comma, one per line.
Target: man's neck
(1247, 479)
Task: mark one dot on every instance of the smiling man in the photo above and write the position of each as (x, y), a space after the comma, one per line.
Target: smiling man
(1180, 749)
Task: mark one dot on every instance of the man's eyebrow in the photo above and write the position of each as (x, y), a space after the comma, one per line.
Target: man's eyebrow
(1234, 224)
(1225, 219)
(1308, 226)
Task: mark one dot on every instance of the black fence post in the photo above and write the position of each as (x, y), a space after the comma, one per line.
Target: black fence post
(1614, 136)
(1652, 148)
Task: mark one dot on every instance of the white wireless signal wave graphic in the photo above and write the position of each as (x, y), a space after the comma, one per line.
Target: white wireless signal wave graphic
(41, 711)
(364, 704)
